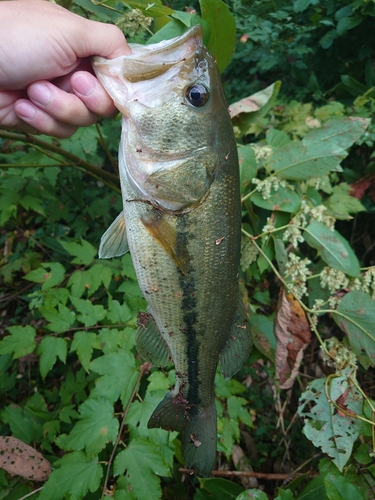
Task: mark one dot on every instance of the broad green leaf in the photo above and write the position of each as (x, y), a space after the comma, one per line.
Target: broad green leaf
(356, 317)
(119, 374)
(60, 320)
(252, 494)
(143, 462)
(50, 275)
(118, 313)
(21, 425)
(154, 9)
(323, 424)
(140, 412)
(222, 488)
(338, 488)
(237, 410)
(84, 252)
(76, 475)
(248, 166)
(333, 248)
(300, 161)
(341, 204)
(342, 132)
(49, 349)
(228, 434)
(84, 343)
(97, 426)
(34, 203)
(20, 342)
(285, 495)
(262, 328)
(225, 389)
(158, 381)
(88, 313)
(111, 339)
(283, 199)
(222, 31)
(277, 138)
(171, 30)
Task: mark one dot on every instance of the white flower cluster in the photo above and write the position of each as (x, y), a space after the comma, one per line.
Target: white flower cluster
(321, 183)
(273, 182)
(369, 281)
(340, 354)
(293, 232)
(270, 226)
(249, 253)
(133, 21)
(298, 271)
(261, 152)
(333, 279)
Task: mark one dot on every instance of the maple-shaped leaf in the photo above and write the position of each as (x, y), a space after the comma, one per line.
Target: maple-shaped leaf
(293, 335)
(84, 343)
(75, 476)
(96, 427)
(119, 374)
(88, 313)
(142, 462)
(20, 342)
(49, 349)
(83, 252)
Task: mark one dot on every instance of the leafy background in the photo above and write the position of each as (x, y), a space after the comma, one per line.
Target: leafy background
(297, 422)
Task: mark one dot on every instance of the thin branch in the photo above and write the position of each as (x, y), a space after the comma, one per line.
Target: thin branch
(239, 473)
(31, 493)
(144, 368)
(103, 144)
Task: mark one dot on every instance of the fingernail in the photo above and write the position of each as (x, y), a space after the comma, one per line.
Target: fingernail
(25, 110)
(39, 93)
(83, 84)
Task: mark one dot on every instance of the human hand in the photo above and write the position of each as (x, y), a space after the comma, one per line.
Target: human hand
(46, 81)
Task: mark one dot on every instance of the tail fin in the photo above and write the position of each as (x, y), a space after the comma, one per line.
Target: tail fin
(198, 428)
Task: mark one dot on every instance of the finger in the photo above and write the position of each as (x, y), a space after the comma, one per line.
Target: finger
(38, 119)
(88, 88)
(64, 107)
(8, 117)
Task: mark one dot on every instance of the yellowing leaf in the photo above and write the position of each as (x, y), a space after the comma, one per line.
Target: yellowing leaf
(293, 335)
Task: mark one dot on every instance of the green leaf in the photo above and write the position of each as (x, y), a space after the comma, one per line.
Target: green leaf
(324, 426)
(22, 426)
(90, 314)
(237, 410)
(118, 376)
(341, 204)
(228, 433)
(84, 343)
(356, 317)
(97, 426)
(118, 313)
(142, 461)
(84, 252)
(140, 412)
(32, 202)
(171, 30)
(248, 166)
(49, 279)
(284, 199)
(252, 494)
(339, 488)
(154, 9)
(60, 320)
(20, 342)
(77, 474)
(342, 132)
(225, 389)
(222, 488)
(301, 5)
(222, 31)
(49, 349)
(333, 248)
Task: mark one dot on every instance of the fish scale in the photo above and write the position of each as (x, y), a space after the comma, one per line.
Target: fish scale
(181, 221)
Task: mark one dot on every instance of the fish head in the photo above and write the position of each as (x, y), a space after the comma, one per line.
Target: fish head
(173, 107)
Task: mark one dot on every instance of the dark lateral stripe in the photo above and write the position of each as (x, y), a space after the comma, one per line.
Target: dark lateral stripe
(189, 308)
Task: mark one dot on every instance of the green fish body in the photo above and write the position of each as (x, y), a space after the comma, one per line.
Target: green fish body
(181, 221)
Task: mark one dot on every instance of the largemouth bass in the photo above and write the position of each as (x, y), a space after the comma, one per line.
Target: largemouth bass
(181, 221)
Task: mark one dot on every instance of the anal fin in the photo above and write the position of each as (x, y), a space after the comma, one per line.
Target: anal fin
(114, 242)
(165, 235)
(150, 344)
(238, 345)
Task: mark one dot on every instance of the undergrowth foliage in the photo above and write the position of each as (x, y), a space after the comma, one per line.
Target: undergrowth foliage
(76, 396)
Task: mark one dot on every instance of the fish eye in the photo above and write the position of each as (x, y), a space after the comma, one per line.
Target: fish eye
(197, 95)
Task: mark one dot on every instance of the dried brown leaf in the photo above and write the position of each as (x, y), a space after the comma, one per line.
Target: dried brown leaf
(293, 334)
(20, 459)
(246, 105)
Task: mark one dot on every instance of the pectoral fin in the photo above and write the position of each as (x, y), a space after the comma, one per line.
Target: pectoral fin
(165, 235)
(114, 241)
(150, 344)
(238, 345)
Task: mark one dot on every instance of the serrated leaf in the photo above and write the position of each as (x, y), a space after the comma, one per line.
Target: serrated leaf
(142, 461)
(49, 349)
(84, 343)
(329, 430)
(111, 339)
(252, 494)
(118, 313)
(333, 248)
(341, 204)
(60, 320)
(88, 313)
(284, 199)
(140, 412)
(225, 389)
(84, 253)
(358, 322)
(222, 31)
(20, 342)
(32, 202)
(50, 275)
(77, 474)
(222, 488)
(97, 426)
(237, 411)
(21, 425)
(118, 375)
(228, 435)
